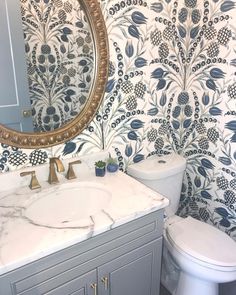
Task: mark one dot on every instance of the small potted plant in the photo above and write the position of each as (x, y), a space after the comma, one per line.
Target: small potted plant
(112, 165)
(100, 168)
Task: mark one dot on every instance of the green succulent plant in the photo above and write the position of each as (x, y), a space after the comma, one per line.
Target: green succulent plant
(100, 164)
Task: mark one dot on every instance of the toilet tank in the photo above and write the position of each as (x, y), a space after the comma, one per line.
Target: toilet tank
(163, 174)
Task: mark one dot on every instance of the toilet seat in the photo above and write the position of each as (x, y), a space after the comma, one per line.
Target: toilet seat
(203, 242)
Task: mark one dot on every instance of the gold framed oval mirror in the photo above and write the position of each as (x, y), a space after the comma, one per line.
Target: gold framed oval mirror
(76, 125)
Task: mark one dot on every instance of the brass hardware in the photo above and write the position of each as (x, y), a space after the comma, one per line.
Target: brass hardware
(70, 173)
(52, 177)
(27, 113)
(80, 122)
(94, 286)
(34, 184)
(104, 280)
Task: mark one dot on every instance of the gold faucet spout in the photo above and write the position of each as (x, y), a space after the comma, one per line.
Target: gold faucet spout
(54, 162)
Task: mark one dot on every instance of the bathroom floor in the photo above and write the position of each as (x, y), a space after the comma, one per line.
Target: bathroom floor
(163, 291)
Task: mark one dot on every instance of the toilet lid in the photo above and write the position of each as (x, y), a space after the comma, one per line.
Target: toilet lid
(203, 241)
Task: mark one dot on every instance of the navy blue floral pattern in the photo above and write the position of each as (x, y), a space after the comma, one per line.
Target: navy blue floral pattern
(171, 88)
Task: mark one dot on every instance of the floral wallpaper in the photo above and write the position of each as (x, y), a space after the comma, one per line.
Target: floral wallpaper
(171, 88)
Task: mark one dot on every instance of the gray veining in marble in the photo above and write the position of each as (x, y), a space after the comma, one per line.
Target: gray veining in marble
(23, 239)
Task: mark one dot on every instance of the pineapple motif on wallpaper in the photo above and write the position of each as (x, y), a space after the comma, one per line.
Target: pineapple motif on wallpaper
(185, 59)
(171, 88)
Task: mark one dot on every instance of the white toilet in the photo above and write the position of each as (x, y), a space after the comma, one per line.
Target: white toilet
(196, 256)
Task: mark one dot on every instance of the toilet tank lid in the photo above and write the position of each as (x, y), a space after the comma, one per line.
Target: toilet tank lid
(157, 167)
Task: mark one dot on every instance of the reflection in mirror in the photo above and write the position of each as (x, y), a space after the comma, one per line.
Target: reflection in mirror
(14, 99)
(67, 68)
(60, 60)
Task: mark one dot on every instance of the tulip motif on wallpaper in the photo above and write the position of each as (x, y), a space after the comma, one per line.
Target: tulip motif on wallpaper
(172, 70)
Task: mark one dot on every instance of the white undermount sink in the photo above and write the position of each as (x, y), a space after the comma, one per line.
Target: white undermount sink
(68, 205)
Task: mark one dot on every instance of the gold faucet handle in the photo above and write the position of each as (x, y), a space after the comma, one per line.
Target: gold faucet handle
(34, 184)
(70, 172)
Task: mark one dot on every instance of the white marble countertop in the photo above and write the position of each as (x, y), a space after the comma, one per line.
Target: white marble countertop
(22, 240)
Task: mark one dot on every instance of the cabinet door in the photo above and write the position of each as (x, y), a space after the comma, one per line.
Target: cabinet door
(14, 97)
(135, 273)
(82, 285)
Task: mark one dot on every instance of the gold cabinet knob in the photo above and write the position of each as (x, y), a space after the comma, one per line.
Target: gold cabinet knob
(27, 113)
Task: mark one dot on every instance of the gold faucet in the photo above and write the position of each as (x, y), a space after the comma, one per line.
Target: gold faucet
(52, 177)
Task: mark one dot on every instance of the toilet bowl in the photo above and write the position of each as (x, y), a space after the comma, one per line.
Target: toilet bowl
(196, 256)
(205, 256)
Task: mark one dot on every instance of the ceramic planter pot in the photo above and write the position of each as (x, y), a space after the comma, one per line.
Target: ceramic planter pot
(112, 167)
(100, 172)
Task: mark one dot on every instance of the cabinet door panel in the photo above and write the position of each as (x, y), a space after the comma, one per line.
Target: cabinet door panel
(135, 273)
(77, 286)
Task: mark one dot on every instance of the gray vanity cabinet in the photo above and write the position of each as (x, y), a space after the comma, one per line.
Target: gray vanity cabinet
(125, 260)
(135, 273)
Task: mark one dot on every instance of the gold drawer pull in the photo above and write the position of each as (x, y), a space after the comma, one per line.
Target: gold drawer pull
(94, 286)
(105, 282)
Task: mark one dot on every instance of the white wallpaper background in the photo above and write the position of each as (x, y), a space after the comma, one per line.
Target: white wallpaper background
(171, 88)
